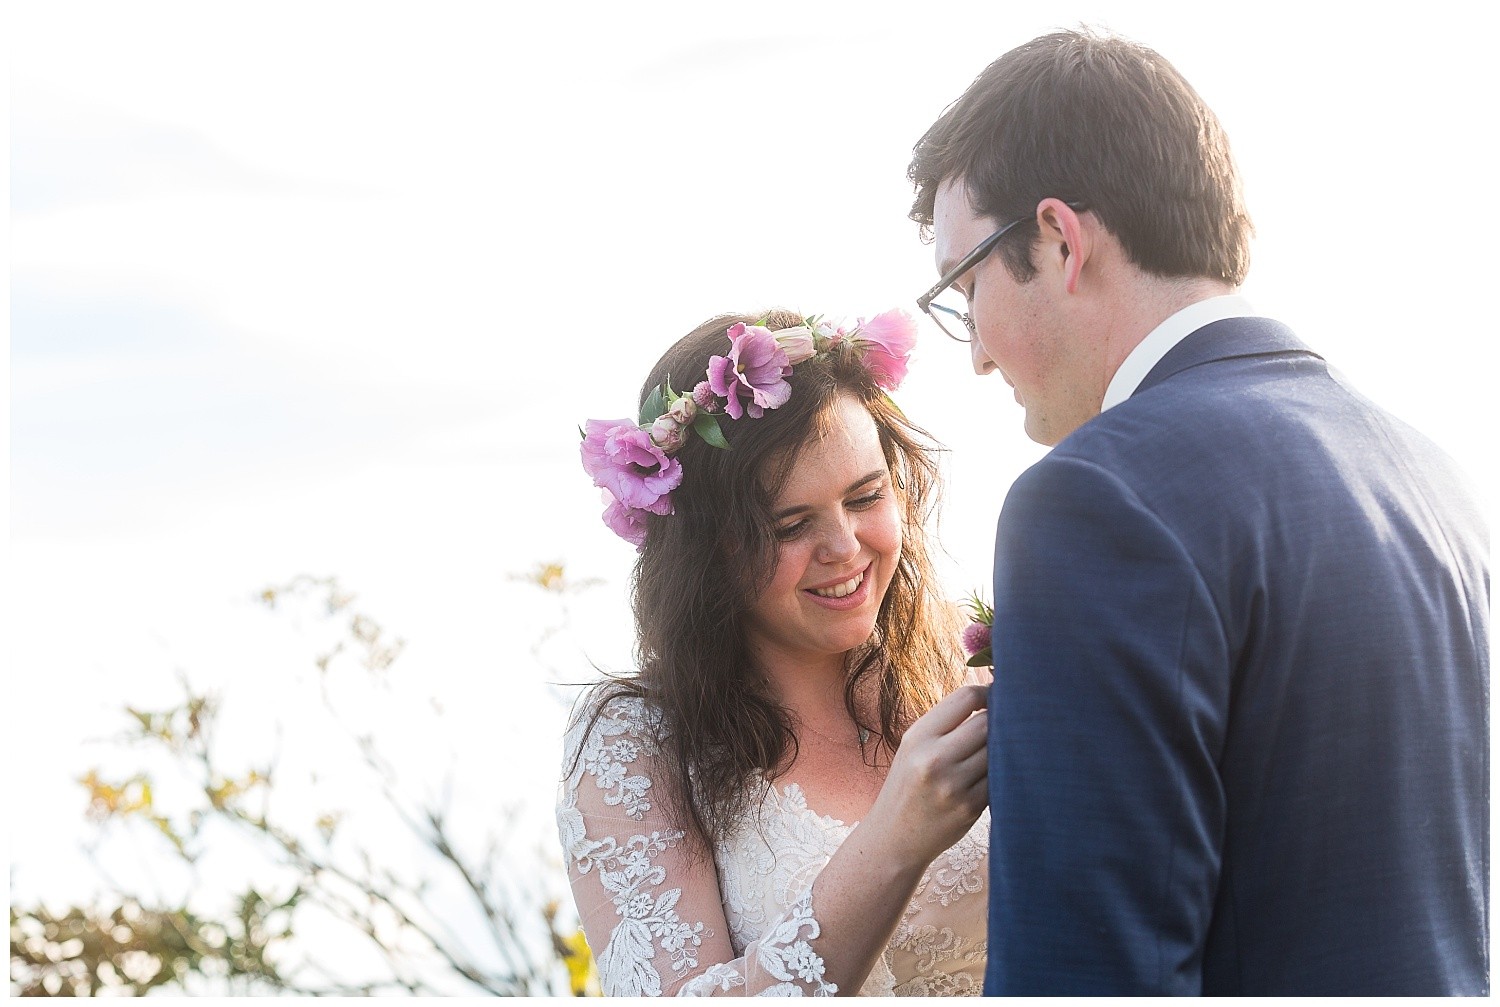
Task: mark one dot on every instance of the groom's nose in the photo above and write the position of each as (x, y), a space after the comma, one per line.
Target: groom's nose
(982, 362)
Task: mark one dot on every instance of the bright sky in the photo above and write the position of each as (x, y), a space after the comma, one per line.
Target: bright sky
(329, 287)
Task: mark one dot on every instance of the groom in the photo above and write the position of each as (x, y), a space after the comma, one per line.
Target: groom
(1238, 736)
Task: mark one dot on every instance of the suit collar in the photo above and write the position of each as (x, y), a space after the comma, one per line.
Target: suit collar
(1226, 340)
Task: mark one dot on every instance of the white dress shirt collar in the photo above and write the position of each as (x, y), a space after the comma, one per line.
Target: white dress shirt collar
(1173, 330)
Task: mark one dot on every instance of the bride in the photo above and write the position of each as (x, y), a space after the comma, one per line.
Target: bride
(782, 800)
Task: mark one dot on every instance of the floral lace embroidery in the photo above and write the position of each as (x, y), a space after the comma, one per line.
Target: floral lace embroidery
(944, 984)
(720, 978)
(961, 870)
(785, 953)
(766, 870)
(644, 914)
(627, 872)
(933, 945)
(765, 866)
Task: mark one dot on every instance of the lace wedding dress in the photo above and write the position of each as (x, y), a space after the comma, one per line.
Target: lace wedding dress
(662, 922)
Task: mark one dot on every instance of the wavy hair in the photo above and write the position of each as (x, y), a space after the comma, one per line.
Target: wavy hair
(702, 567)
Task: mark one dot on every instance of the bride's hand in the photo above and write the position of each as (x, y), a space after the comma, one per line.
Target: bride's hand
(936, 786)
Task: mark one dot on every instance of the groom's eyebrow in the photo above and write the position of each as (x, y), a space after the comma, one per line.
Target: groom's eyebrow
(856, 484)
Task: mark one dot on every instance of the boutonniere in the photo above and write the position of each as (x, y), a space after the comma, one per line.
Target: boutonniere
(977, 633)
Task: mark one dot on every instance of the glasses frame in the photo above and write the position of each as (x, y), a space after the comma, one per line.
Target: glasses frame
(976, 255)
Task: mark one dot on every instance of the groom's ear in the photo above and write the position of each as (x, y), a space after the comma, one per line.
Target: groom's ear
(1066, 241)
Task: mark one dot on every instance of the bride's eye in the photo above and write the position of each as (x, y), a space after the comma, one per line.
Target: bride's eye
(787, 532)
(867, 501)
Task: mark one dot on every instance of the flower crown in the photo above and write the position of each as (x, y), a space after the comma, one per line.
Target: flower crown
(632, 460)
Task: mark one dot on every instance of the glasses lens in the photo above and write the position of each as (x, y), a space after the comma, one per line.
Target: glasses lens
(950, 308)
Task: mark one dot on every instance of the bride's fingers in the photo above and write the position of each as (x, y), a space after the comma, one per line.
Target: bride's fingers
(979, 792)
(955, 708)
(976, 767)
(969, 735)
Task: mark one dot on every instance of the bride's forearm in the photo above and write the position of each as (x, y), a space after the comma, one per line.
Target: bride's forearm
(858, 900)
(934, 791)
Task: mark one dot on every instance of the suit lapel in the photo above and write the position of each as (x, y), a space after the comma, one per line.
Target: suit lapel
(1224, 340)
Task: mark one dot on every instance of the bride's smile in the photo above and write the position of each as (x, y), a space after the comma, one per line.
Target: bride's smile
(842, 590)
(839, 526)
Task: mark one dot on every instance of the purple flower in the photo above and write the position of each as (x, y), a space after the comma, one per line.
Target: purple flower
(887, 340)
(627, 522)
(619, 456)
(976, 638)
(756, 367)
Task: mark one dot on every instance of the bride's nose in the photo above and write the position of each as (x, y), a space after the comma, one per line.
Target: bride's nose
(840, 542)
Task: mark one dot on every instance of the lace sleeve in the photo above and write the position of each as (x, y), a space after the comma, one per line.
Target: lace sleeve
(648, 897)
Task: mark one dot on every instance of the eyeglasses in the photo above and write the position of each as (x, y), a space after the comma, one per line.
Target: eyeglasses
(949, 307)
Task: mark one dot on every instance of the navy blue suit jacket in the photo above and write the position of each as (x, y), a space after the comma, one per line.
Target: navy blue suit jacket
(1239, 725)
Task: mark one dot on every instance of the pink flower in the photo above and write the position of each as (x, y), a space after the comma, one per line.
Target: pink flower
(797, 341)
(976, 638)
(756, 366)
(627, 522)
(704, 397)
(619, 456)
(887, 340)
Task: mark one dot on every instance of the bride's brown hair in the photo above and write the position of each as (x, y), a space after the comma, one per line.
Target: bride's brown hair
(702, 567)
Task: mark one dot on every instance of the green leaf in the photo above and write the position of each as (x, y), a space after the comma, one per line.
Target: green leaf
(707, 426)
(983, 659)
(979, 610)
(654, 406)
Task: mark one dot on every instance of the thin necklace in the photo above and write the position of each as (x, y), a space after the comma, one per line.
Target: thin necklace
(864, 734)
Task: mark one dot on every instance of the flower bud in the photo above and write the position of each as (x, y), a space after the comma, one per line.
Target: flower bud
(683, 411)
(796, 342)
(667, 433)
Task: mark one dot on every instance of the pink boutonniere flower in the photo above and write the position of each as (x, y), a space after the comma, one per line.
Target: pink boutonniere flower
(977, 634)
(976, 638)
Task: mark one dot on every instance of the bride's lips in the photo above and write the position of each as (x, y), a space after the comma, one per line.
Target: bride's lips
(854, 599)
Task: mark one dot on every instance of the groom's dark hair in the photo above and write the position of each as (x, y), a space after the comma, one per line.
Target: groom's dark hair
(1101, 120)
